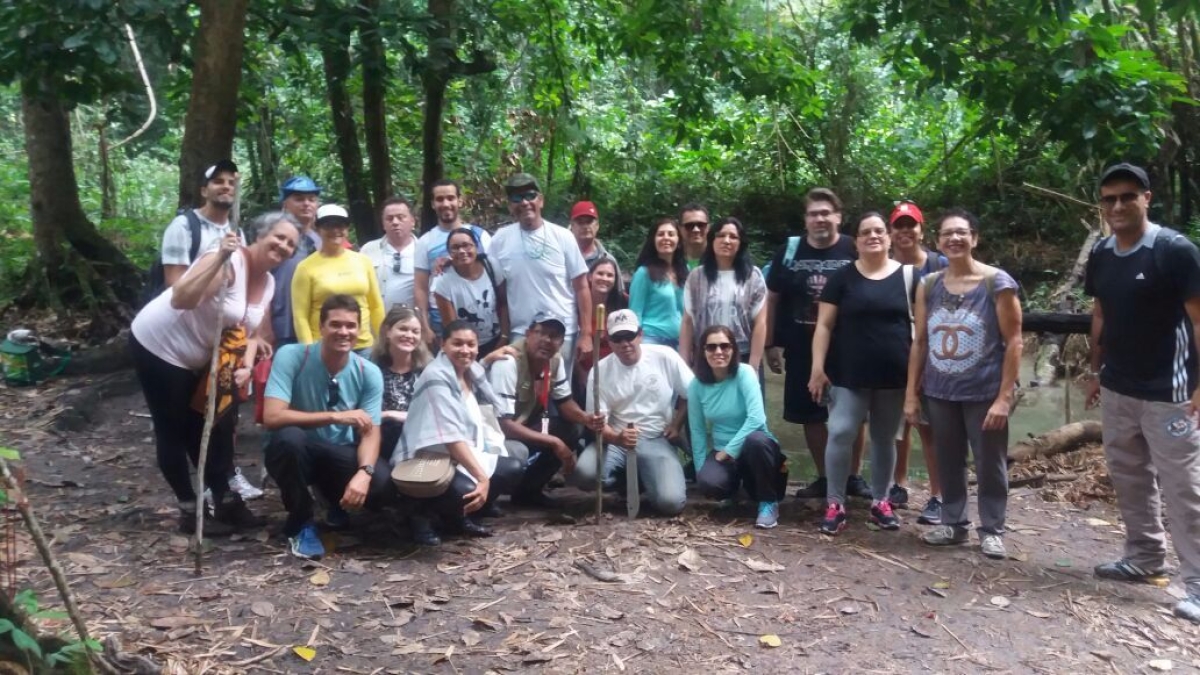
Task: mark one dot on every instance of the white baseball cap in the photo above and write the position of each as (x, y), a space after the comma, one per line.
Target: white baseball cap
(622, 321)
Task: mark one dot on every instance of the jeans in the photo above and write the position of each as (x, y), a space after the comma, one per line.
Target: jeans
(659, 472)
(848, 408)
(295, 461)
(760, 467)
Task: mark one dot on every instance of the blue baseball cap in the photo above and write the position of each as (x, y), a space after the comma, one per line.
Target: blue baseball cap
(298, 184)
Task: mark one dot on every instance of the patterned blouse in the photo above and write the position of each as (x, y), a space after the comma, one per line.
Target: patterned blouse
(398, 389)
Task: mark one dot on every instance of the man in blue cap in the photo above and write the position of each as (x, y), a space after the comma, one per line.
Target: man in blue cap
(299, 196)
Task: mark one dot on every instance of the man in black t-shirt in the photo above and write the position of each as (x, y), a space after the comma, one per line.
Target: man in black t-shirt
(798, 274)
(1146, 282)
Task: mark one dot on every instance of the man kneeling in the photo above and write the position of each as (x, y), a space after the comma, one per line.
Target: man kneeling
(319, 398)
(643, 405)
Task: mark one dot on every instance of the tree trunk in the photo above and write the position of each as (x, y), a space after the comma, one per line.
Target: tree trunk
(375, 72)
(211, 120)
(1062, 439)
(104, 277)
(435, 77)
(335, 54)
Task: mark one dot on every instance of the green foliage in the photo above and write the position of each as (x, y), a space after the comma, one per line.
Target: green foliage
(70, 657)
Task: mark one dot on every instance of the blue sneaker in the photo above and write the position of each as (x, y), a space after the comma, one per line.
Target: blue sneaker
(307, 543)
(336, 517)
(768, 515)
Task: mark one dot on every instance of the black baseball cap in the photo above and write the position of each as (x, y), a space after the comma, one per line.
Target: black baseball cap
(222, 166)
(1126, 170)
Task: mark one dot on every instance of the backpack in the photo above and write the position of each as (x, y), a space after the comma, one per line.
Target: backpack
(1165, 236)
(989, 282)
(156, 278)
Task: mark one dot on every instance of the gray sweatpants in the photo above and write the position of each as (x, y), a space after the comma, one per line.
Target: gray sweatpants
(1153, 453)
(848, 408)
(957, 427)
(659, 472)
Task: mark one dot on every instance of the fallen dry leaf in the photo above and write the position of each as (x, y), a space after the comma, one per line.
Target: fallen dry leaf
(770, 641)
(262, 608)
(1161, 665)
(470, 638)
(319, 578)
(306, 653)
(745, 540)
(762, 566)
(690, 560)
(1000, 601)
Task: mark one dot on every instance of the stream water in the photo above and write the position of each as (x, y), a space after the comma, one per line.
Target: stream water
(1041, 409)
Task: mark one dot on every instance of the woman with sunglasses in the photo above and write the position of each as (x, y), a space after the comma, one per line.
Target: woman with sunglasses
(727, 291)
(336, 270)
(452, 413)
(725, 413)
(172, 341)
(471, 289)
(656, 292)
(860, 364)
(965, 361)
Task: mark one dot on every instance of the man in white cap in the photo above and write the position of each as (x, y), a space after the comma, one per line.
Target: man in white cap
(643, 405)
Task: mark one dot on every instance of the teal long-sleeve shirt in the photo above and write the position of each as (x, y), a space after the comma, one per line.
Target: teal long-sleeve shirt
(732, 408)
(659, 306)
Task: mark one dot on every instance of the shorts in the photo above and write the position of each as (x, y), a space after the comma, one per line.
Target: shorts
(798, 404)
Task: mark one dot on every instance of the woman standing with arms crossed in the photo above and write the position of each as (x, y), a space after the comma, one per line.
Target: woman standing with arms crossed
(860, 347)
(965, 361)
(726, 291)
(656, 292)
(333, 270)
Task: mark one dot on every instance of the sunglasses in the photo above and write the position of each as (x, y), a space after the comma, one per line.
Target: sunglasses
(518, 197)
(622, 337)
(714, 347)
(695, 225)
(1110, 201)
(335, 393)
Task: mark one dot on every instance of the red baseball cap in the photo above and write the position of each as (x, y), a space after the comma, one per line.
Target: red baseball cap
(908, 209)
(584, 209)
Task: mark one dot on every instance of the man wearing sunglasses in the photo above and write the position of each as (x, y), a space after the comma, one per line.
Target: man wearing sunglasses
(322, 406)
(431, 256)
(643, 405)
(545, 271)
(392, 254)
(693, 220)
(1145, 325)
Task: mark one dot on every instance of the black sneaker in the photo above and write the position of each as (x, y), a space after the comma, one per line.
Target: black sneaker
(898, 496)
(932, 513)
(883, 516)
(1123, 570)
(234, 512)
(423, 533)
(817, 489)
(834, 520)
(212, 528)
(857, 487)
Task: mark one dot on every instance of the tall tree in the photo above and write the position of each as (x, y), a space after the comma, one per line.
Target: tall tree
(211, 120)
(374, 73)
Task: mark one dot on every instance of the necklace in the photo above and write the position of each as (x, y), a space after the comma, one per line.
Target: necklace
(535, 246)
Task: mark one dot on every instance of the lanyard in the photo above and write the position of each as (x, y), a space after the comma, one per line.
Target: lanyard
(544, 399)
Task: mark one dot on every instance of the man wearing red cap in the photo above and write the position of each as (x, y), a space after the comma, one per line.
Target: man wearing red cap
(585, 225)
(905, 228)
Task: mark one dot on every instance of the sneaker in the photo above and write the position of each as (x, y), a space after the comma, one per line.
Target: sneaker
(534, 500)
(233, 511)
(768, 515)
(992, 546)
(814, 490)
(336, 517)
(834, 520)
(946, 535)
(212, 528)
(1189, 608)
(243, 487)
(423, 533)
(898, 496)
(932, 513)
(857, 487)
(307, 543)
(883, 516)
(1123, 570)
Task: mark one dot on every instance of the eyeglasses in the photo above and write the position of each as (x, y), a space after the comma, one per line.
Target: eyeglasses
(695, 225)
(622, 337)
(863, 234)
(464, 246)
(1110, 201)
(518, 197)
(335, 393)
(950, 234)
(396, 263)
(714, 347)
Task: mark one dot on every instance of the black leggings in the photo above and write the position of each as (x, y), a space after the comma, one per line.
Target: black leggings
(449, 504)
(177, 428)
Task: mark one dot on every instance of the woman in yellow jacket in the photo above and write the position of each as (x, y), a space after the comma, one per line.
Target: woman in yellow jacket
(332, 270)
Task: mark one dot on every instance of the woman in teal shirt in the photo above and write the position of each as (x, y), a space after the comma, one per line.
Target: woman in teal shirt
(656, 292)
(725, 399)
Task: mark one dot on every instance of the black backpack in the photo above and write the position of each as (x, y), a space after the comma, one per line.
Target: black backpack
(156, 280)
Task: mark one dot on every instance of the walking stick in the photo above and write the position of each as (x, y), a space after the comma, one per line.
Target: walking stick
(596, 335)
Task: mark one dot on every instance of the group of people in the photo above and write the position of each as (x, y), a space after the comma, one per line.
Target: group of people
(442, 371)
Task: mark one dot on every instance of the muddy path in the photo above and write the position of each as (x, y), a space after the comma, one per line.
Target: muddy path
(700, 593)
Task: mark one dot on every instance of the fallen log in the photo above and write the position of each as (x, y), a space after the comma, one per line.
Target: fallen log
(1062, 323)
(1058, 441)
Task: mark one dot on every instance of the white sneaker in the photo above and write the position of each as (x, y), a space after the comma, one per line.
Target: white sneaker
(992, 546)
(243, 487)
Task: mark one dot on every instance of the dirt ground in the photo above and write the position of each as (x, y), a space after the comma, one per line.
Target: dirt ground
(704, 592)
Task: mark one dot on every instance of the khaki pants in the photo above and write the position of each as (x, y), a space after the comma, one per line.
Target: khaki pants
(1153, 453)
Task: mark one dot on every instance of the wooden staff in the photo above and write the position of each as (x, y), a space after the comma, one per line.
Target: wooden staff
(597, 334)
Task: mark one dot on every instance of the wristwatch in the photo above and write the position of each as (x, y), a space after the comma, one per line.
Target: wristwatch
(369, 469)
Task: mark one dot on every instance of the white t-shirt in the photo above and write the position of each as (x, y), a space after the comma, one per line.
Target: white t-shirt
(502, 375)
(642, 394)
(474, 301)
(185, 337)
(394, 269)
(539, 266)
(432, 245)
(177, 239)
